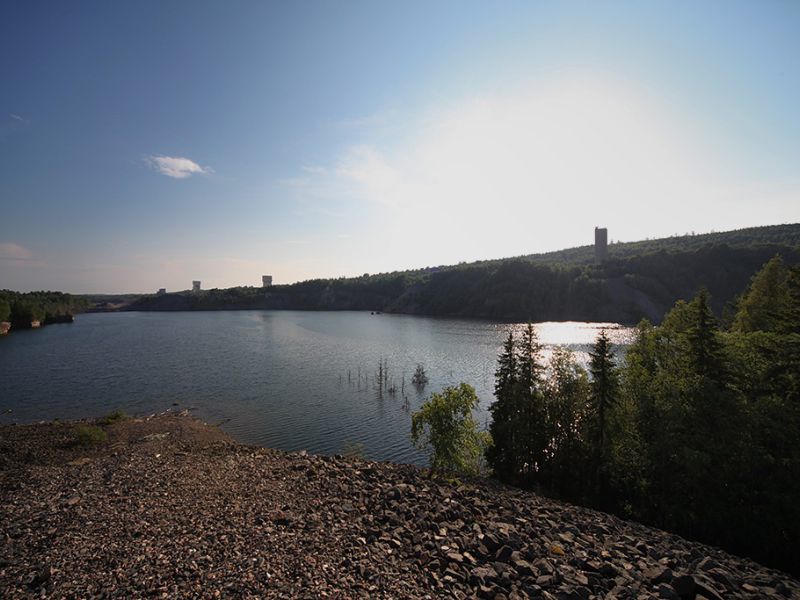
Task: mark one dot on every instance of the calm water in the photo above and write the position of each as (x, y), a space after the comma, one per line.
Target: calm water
(283, 379)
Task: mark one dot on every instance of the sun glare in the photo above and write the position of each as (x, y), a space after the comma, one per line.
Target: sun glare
(526, 171)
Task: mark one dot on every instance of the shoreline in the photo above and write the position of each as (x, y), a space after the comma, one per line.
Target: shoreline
(169, 505)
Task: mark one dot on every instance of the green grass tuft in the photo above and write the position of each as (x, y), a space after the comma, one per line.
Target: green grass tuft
(89, 435)
(112, 417)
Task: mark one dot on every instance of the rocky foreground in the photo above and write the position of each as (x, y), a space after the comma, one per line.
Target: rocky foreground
(170, 507)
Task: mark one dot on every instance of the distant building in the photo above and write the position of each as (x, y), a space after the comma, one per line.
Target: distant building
(600, 244)
(266, 280)
(195, 287)
(161, 291)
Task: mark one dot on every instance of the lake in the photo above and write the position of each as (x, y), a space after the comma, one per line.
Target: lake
(282, 379)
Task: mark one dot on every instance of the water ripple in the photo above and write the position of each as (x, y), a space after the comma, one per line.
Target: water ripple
(277, 379)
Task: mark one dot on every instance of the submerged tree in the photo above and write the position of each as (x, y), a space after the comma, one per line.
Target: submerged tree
(420, 378)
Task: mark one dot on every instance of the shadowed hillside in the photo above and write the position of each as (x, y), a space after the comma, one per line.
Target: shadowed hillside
(639, 280)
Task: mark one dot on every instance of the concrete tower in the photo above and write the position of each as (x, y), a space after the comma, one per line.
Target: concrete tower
(600, 244)
(195, 287)
(266, 280)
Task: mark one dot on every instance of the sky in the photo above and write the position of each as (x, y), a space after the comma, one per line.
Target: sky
(146, 144)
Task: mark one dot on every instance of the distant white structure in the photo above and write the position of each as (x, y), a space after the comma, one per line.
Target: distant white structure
(266, 280)
(161, 291)
(195, 287)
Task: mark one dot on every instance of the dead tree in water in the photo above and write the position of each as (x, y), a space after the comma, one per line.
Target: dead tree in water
(420, 378)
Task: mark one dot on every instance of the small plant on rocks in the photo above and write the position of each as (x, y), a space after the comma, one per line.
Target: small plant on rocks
(113, 417)
(89, 435)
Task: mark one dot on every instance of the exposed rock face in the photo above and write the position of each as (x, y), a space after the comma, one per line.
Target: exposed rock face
(194, 514)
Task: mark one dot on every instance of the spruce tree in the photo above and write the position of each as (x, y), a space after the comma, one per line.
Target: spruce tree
(531, 425)
(766, 300)
(501, 454)
(603, 392)
(603, 387)
(705, 348)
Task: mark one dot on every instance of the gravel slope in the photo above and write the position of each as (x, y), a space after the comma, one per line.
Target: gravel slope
(171, 507)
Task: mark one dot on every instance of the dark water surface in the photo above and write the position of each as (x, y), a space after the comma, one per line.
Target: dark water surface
(278, 378)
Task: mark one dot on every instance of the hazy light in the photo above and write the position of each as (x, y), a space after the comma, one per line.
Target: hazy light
(534, 170)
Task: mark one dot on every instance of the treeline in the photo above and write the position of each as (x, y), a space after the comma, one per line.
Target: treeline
(777, 235)
(622, 290)
(696, 432)
(45, 307)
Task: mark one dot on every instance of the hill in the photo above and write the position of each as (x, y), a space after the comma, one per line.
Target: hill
(639, 280)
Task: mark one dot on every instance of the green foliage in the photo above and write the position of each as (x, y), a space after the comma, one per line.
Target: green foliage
(503, 455)
(519, 420)
(568, 423)
(705, 347)
(766, 300)
(38, 306)
(603, 397)
(604, 387)
(532, 422)
(5, 310)
(696, 430)
(445, 425)
(112, 417)
(89, 435)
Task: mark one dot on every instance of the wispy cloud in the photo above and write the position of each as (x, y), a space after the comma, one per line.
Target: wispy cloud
(538, 167)
(17, 118)
(14, 252)
(177, 167)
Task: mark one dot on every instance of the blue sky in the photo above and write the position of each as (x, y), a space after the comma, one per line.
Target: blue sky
(146, 144)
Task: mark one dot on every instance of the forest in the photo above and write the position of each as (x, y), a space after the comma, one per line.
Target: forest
(21, 309)
(639, 280)
(696, 431)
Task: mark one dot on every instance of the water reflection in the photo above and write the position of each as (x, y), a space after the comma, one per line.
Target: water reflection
(285, 379)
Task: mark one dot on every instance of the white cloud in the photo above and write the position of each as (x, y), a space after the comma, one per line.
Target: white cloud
(177, 167)
(14, 252)
(17, 118)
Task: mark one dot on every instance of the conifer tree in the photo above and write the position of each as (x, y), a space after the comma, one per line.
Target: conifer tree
(705, 348)
(766, 299)
(531, 425)
(603, 387)
(501, 454)
(603, 392)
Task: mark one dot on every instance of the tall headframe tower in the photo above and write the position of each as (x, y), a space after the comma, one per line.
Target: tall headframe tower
(600, 244)
(195, 287)
(266, 280)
